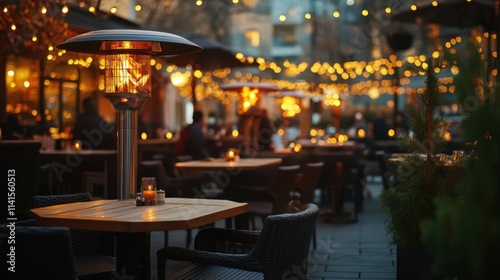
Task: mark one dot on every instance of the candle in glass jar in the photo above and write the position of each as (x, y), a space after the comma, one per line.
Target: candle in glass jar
(149, 196)
(148, 187)
(230, 155)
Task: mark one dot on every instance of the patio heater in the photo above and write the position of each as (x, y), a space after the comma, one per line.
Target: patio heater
(249, 108)
(290, 104)
(128, 80)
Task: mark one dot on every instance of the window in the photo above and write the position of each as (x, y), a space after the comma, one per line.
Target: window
(252, 38)
(285, 35)
(23, 87)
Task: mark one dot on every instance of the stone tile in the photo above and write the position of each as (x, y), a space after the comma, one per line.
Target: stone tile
(377, 275)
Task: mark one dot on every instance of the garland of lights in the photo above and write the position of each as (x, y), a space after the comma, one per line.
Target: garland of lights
(37, 25)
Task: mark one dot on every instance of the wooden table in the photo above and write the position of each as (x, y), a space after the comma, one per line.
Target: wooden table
(221, 174)
(221, 164)
(133, 224)
(322, 145)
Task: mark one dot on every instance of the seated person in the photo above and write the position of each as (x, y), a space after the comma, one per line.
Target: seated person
(192, 140)
(92, 129)
(12, 129)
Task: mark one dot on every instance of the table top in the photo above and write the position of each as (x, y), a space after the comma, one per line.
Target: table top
(221, 164)
(125, 216)
(283, 151)
(325, 144)
(156, 141)
(441, 159)
(80, 152)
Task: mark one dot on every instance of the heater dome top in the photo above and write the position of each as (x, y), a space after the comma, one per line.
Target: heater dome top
(162, 43)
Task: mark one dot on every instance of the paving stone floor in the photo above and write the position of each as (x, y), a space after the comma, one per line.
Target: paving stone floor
(344, 251)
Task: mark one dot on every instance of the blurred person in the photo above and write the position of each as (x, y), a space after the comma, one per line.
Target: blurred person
(92, 129)
(192, 139)
(144, 126)
(12, 130)
(401, 126)
(380, 128)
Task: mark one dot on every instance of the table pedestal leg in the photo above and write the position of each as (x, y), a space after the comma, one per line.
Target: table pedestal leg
(337, 215)
(133, 255)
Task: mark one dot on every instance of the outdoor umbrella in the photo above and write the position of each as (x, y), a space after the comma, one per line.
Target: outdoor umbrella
(457, 13)
(214, 55)
(250, 95)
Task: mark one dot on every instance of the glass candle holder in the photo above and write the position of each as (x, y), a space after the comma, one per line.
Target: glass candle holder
(77, 145)
(148, 188)
(160, 197)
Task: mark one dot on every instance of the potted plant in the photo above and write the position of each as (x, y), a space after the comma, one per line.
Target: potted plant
(422, 177)
(464, 235)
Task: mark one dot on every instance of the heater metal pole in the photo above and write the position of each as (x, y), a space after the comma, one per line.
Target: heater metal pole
(127, 153)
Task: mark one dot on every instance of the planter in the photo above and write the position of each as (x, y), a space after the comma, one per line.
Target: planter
(413, 264)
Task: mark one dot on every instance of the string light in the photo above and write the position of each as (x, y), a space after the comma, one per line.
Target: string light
(342, 74)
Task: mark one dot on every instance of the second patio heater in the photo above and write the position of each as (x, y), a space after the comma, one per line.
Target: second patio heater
(128, 80)
(249, 109)
(290, 105)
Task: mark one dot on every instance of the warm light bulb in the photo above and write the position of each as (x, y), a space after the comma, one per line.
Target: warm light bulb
(179, 79)
(361, 133)
(391, 132)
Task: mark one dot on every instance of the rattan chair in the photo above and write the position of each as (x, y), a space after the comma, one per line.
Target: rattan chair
(280, 252)
(40, 253)
(266, 200)
(93, 250)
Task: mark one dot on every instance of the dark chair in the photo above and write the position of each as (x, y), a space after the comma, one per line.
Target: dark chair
(40, 253)
(280, 251)
(307, 183)
(267, 200)
(342, 179)
(93, 250)
(19, 160)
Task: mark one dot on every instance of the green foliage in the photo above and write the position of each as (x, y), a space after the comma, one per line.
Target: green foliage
(464, 236)
(420, 176)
